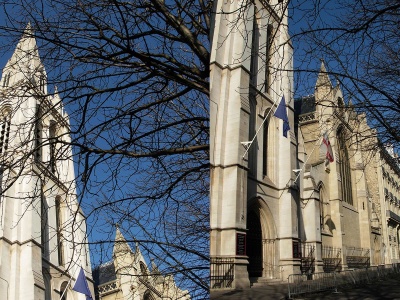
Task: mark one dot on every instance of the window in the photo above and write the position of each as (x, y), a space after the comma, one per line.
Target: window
(344, 167)
(5, 133)
(268, 80)
(38, 134)
(43, 224)
(143, 271)
(42, 82)
(52, 144)
(255, 47)
(6, 80)
(59, 231)
(296, 250)
(341, 106)
(322, 209)
(252, 153)
(265, 145)
(64, 291)
(148, 296)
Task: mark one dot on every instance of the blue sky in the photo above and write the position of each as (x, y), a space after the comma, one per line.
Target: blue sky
(305, 58)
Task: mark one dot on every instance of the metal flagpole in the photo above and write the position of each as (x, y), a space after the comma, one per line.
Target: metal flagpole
(69, 282)
(258, 130)
(315, 146)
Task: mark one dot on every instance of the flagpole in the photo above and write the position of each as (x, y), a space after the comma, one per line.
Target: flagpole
(259, 128)
(319, 143)
(309, 156)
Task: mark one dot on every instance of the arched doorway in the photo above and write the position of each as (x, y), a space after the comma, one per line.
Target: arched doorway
(254, 245)
(261, 238)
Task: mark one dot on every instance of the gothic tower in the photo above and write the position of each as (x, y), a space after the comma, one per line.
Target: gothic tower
(43, 241)
(253, 217)
(127, 276)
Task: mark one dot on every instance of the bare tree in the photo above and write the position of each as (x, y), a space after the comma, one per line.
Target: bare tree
(134, 78)
(359, 42)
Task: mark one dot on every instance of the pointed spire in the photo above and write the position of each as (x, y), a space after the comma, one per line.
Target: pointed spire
(323, 77)
(154, 268)
(28, 29)
(25, 62)
(337, 81)
(56, 100)
(155, 272)
(137, 250)
(121, 246)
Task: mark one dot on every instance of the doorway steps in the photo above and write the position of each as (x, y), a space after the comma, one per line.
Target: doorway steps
(260, 281)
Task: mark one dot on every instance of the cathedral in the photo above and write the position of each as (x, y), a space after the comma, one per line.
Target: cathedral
(43, 242)
(296, 185)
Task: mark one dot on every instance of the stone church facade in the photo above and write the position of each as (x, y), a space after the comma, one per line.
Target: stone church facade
(127, 277)
(280, 205)
(43, 242)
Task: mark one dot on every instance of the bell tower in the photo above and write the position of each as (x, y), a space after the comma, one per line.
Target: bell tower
(253, 202)
(43, 242)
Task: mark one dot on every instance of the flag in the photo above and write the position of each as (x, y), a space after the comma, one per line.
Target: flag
(281, 114)
(81, 285)
(326, 147)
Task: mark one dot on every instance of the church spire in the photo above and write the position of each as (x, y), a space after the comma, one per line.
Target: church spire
(121, 246)
(25, 62)
(323, 86)
(323, 77)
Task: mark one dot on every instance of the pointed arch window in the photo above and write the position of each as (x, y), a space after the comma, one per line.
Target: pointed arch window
(265, 143)
(5, 132)
(341, 106)
(38, 134)
(143, 271)
(255, 48)
(252, 153)
(64, 291)
(52, 144)
(344, 167)
(268, 58)
(6, 81)
(324, 209)
(44, 224)
(42, 82)
(148, 296)
(59, 229)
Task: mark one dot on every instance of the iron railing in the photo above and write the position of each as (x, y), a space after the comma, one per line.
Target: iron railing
(307, 258)
(357, 258)
(221, 272)
(332, 259)
(299, 284)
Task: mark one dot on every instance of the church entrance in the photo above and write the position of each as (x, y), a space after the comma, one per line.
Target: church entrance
(254, 245)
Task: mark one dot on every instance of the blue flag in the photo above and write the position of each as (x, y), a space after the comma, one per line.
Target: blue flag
(81, 285)
(281, 114)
